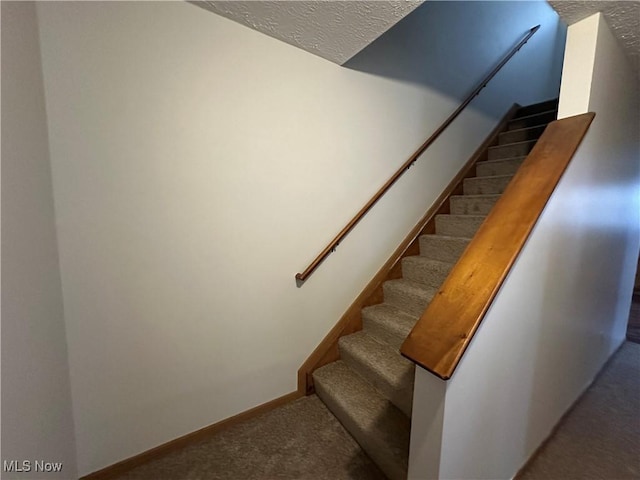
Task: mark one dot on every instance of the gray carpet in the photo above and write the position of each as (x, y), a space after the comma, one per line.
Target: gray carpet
(301, 440)
(600, 437)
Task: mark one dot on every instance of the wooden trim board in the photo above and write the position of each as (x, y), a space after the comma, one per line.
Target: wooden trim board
(439, 339)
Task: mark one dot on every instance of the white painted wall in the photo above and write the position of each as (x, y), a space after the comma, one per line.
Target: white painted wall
(197, 167)
(564, 308)
(575, 89)
(37, 421)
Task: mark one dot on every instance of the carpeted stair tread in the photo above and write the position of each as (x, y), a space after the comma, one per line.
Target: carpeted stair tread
(384, 368)
(425, 270)
(442, 247)
(506, 166)
(458, 225)
(534, 120)
(410, 297)
(521, 134)
(387, 324)
(486, 185)
(510, 150)
(380, 428)
(472, 204)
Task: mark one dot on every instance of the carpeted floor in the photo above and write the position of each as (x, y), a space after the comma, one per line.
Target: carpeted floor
(301, 440)
(600, 437)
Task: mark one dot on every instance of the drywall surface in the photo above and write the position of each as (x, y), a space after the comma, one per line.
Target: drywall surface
(37, 424)
(575, 89)
(563, 309)
(198, 166)
(427, 419)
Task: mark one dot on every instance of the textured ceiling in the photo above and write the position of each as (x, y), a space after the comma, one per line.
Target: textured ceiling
(338, 29)
(623, 17)
(335, 30)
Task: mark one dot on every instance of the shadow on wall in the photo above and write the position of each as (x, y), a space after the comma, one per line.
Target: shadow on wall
(583, 313)
(451, 46)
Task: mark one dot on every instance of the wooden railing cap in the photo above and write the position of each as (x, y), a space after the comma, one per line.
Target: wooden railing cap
(444, 331)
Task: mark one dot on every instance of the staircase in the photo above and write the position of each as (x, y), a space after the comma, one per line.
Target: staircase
(370, 388)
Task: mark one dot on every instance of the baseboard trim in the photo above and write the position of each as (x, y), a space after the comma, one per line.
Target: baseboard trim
(130, 463)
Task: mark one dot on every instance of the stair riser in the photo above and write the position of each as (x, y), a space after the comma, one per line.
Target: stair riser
(379, 331)
(499, 167)
(521, 135)
(533, 121)
(538, 108)
(405, 301)
(467, 205)
(457, 226)
(400, 393)
(445, 249)
(421, 270)
(485, 185)
(387, 325)
(512, 150)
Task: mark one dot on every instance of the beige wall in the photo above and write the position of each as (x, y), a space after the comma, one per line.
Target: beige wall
(198, 166)
(36, 420)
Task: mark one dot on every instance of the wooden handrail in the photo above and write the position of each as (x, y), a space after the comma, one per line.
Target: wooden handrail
(301, 277)
(439, 339)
